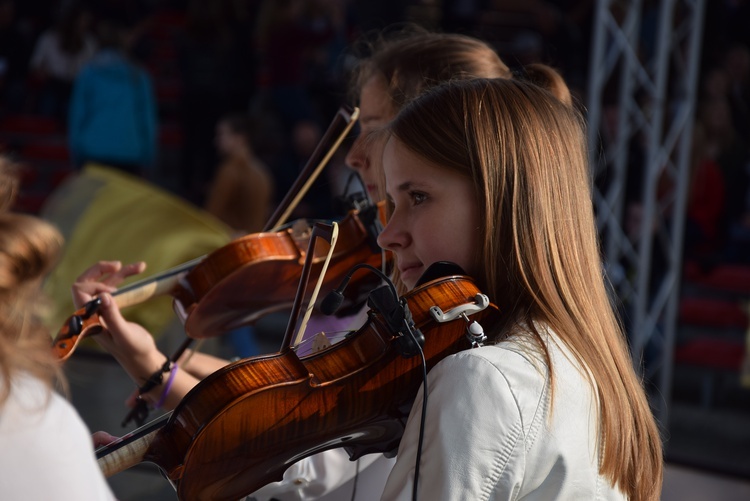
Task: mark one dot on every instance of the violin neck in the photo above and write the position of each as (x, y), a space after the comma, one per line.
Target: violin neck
(164, 283)
(130, 450)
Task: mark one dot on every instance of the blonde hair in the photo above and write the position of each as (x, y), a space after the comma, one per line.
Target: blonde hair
(525, 151)
(29, 247)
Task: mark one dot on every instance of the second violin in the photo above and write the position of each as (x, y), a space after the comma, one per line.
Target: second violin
(253, 275)
(258, 274)
(242, 281)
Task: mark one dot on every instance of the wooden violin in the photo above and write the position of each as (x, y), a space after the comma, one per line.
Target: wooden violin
(258, 274)
(251, 276)
(239, 283)
(244, 425)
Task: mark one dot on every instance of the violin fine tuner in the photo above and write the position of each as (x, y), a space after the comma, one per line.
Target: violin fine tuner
(474, 331)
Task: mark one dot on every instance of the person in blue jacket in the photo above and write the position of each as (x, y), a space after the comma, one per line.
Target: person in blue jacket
(112, 118)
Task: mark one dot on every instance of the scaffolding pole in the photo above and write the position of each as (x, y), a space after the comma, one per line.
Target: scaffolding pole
(642, 86)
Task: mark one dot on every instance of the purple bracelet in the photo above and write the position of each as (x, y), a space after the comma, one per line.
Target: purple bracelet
(167, 386)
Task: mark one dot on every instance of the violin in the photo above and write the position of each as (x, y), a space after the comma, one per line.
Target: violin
(258, 274)
(239, 283)
(243, 426)
(230, 287)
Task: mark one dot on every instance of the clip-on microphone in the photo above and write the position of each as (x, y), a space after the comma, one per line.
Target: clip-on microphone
(396, 313)
(399, 319)
(385, 300)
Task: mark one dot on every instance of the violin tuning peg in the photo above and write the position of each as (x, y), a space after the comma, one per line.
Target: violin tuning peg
(75, 325)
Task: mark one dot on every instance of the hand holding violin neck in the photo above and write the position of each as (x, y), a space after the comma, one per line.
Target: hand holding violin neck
(85, 321)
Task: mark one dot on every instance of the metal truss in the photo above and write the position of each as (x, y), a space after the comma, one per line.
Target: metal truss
(640, 107)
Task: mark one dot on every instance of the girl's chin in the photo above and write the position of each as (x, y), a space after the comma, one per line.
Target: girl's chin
(410, 277)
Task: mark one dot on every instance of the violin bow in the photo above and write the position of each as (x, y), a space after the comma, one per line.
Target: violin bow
(346, 117)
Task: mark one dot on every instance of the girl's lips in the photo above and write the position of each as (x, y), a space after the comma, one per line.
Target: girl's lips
(407, 267)
(409, 271)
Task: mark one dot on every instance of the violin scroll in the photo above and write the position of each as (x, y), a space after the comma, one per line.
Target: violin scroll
(81, 324)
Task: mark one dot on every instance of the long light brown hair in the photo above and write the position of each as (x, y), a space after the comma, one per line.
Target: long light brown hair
(29, 247)
(411, 59)
(525, 151)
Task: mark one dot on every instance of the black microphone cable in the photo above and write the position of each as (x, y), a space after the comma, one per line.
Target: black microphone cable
(405, 325)
(422, 420)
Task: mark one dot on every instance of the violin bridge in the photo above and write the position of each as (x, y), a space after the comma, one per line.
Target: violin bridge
(301, 230)
(320, 342)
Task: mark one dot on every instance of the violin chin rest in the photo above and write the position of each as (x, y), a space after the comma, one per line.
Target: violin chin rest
(440, 269)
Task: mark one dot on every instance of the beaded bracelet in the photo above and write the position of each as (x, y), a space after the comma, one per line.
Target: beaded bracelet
(167, 387)
(139, 412)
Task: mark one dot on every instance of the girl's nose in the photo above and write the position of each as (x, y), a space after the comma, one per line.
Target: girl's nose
(355, 157)
(393, 236)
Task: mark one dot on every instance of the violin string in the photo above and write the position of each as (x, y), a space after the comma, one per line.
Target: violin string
(332, 336)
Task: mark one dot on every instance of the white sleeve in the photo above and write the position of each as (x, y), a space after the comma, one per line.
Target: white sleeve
(47, 450)
(330, 476)
(473, 437)
(309, 478)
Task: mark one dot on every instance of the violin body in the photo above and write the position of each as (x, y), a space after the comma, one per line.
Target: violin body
(244, 425)
(239, 283)
(259, 274)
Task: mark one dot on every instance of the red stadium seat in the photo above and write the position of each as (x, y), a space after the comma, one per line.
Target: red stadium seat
(713, 312)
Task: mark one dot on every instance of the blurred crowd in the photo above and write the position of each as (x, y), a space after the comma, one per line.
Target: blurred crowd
(117, 74)
(151, 87)
(143, 85)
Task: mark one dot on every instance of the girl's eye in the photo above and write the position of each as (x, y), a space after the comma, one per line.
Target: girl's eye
(417, 197)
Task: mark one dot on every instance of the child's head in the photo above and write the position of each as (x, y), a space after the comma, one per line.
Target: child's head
(493, 174)
(401, 66)
(521, 154)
